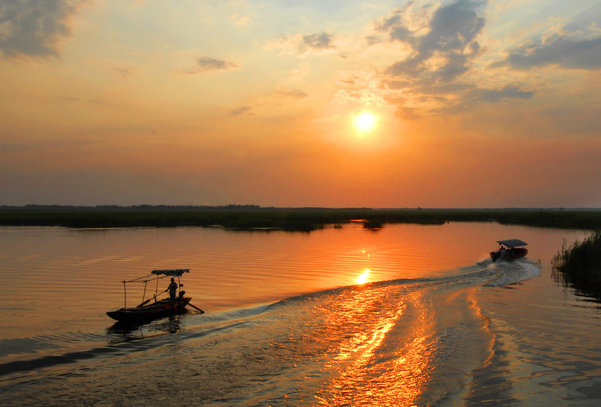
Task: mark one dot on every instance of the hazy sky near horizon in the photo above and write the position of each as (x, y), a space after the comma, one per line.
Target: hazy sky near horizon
(476, 103)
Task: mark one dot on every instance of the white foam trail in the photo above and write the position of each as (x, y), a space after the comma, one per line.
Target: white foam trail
(484, 262)
(513, 272)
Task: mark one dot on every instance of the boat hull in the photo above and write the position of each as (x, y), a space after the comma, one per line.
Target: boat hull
(513, 254)
(160, 309)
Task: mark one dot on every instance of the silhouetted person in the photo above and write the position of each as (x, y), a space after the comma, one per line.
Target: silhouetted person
(172, 289)
(503, 253)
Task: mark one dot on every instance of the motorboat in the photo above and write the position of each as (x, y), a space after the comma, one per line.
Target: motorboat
(509, 250)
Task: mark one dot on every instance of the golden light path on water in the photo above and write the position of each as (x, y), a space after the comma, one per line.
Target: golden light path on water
(359, 364)
(388, 363)
(363, 278)
(391, 343)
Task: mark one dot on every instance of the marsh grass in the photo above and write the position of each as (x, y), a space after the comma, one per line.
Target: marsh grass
(373, 224)
(579, 265)
(291, 219)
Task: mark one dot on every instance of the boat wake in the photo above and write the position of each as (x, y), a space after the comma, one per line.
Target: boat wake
(417, 338)
(516, 271)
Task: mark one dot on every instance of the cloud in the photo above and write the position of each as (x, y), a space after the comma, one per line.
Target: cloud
(318, 42)
(440, 45)
(34, 28)
(496, 95)
(443, 48)
(457, 98)
(373, 39)
(564, 51)
(302, 70)
(360, 87)
(124, 71)
(211, 64)
(362, 96)
(348, 81)
(407, 113)
(303, 45)
(241, 110)
(295, 94)
(353, 77)
(92, 102)
(572, 45)
(205, 64)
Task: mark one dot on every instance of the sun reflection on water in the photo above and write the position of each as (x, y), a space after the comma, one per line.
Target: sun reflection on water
(363, 278)
(389, 361)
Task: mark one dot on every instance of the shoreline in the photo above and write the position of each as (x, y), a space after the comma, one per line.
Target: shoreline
(287, 219)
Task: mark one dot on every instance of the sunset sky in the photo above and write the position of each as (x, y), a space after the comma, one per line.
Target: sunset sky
(335, 103)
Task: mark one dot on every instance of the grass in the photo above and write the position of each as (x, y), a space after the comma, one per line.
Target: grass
(579, 265)
(300, 219)
(373, 224)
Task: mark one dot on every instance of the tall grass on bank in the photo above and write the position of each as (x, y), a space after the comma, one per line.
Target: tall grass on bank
(579, 265)
(291, 219)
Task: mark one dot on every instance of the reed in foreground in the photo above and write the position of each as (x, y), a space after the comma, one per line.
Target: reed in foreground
(579, 265)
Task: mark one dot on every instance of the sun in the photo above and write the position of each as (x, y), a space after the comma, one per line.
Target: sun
(365, 122)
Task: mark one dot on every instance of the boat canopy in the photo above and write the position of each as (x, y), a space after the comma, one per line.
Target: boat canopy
(510, 243)
(171, 273)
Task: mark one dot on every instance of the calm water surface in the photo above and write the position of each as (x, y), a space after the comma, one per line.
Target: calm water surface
(409, 315)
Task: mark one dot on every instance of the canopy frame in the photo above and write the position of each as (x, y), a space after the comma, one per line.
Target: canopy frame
(160, 274)
(511, 243)
(171, 273)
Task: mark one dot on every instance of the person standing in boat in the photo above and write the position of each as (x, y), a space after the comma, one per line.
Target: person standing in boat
(503, 252)
(172, 289)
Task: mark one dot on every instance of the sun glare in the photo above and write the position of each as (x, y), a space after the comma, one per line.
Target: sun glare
(365, 122)
(363, 278)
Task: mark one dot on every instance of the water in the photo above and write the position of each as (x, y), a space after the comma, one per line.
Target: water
(433, 321)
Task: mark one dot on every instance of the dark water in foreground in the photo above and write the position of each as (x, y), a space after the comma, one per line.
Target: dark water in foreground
(286, 322)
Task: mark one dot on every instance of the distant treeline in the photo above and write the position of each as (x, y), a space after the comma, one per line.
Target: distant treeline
(132, 207)
(253, 217)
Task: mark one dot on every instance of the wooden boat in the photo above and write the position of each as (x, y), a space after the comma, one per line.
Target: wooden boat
(509, 250)
(159, 308)
(144, 313)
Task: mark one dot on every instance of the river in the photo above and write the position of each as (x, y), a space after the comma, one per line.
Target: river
(406, 315)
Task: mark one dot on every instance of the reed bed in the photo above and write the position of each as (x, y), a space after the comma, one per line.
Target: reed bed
(294, 219)
(579, 265)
